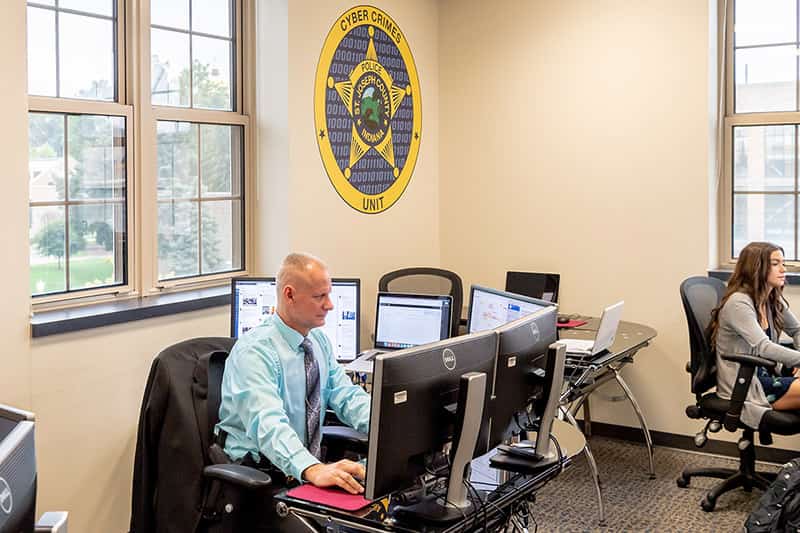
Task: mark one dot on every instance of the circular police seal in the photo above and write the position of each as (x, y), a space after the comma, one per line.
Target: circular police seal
(6, 502)
(367, 109)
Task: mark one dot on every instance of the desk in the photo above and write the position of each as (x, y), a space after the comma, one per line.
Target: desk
(377, 517)
(583, 376)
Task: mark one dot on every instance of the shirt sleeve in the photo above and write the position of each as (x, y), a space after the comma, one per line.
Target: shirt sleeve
(256, 399)
(740, 315)
(350, 403)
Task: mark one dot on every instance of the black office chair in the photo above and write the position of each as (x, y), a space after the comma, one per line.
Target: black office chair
(427, 280)
(183, 481)
(179, 483)
(540, 285)
(700, 295)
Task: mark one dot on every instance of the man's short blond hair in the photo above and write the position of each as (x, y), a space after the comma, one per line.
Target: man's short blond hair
(294, 264)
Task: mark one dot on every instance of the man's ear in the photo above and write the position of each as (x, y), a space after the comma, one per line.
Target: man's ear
(288, 292)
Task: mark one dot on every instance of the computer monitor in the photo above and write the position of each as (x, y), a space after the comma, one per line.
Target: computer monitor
(490, 308)
(405, 320)
(414, 395)
(254, 298)
(17, 470)
(522, 368)
(534, 284)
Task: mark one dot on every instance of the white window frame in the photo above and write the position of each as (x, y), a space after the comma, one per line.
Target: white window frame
(134, 103)
(729, 122)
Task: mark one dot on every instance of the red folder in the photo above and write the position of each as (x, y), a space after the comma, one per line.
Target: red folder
(332, 497)
(571, 324)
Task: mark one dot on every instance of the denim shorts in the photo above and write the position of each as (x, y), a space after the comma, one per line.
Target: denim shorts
(774, 386)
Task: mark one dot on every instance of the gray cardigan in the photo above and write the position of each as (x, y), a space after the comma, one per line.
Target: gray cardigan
(740, 333)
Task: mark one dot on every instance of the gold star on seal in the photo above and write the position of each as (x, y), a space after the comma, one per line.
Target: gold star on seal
(358, 93)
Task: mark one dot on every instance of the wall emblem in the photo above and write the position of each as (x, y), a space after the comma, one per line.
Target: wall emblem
(367, 109)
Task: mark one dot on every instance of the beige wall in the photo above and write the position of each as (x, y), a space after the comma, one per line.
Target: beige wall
(587, 125)
(87, 388)
(15, 369)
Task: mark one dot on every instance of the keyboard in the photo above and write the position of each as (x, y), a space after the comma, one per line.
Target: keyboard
(579, 346)
(364, 362)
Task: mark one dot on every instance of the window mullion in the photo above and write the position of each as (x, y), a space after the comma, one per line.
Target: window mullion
(191, 59)
(199, 195)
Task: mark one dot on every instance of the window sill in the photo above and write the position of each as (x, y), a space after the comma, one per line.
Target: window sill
(106, 314)
(792, 278)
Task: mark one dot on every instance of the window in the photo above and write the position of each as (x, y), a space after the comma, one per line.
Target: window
(136, 153)
(762, 112)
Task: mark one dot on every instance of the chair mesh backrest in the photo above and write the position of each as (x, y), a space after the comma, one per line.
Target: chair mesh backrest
(427, 280)
(701, 295)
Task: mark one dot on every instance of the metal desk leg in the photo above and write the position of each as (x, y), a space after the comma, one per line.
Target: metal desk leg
(601, 511)
(642, 422)
(587, 417)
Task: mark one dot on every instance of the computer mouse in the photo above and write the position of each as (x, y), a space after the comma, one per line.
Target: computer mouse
(562, 320)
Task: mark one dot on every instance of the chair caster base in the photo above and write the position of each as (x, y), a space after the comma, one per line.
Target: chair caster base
(708, 504)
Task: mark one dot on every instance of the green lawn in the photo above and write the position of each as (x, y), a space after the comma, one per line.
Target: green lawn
(84, 272)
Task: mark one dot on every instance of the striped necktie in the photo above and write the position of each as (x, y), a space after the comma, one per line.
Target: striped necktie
(312, 399)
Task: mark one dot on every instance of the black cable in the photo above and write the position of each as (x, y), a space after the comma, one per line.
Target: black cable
(488, 502)
(482, 507)
(561, 459)
(475, 499)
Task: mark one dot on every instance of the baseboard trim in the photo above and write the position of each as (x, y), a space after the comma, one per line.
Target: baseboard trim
(685, 442)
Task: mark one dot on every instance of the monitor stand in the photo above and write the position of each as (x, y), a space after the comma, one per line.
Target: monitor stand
(456, 505)
(546, 453)
(556, 355)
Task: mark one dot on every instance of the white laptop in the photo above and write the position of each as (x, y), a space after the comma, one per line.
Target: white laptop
(606, 332)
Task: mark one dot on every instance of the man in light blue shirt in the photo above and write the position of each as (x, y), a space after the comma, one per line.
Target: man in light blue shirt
(267, 409)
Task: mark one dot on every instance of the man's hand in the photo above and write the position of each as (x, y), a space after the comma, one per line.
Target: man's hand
(339, 474)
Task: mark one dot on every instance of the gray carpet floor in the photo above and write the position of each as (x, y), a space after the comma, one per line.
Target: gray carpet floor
(633, 502)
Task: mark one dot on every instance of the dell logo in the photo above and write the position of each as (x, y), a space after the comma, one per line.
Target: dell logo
(449, 359)
(535, 332)
(5, 496)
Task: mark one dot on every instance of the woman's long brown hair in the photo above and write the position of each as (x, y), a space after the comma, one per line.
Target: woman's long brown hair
(750, 277)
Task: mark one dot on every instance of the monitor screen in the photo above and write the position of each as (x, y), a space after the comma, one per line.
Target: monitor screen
(534, 284)
(490, 308)
(252, 299)
(411, 418)
(406, 320)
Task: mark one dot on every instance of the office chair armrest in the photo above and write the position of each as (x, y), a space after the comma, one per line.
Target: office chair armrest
(750, 360)
(332, 419)
(344, 435)
(240, 475)
(747, 369)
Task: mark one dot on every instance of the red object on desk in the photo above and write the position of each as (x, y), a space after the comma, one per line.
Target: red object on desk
(571, 324)
(332, 497)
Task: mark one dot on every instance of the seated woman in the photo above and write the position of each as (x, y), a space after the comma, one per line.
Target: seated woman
(749, 321)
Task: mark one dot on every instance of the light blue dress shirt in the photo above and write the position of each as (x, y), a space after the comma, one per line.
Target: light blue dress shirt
(263, 407)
